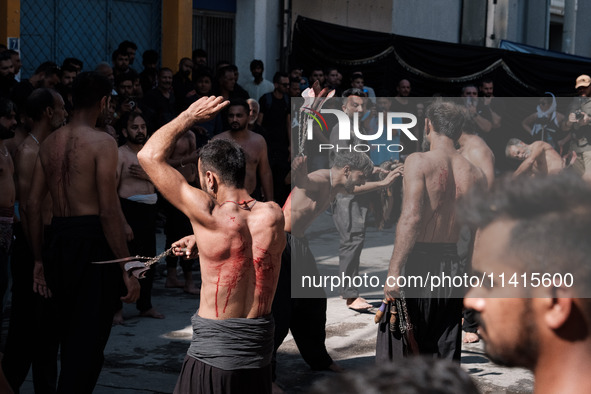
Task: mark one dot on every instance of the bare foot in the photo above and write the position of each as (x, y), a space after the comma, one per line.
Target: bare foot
(358, 304)
(191, 289)
(334, 367)
(152, 312)
(276, 389)
(118, 318)
(174, 283)
(471, 337)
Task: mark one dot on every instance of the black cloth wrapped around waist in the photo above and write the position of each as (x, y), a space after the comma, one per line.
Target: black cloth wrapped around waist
(232, 344)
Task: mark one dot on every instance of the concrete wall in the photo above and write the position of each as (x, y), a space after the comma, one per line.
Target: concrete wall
(523, 21)
(373, 15)
(433, 20)
(258, 35)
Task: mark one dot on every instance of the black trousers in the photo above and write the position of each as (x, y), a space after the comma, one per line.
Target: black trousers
(436, 316)
(142, 220)
(305, 317)
(177, 226)
(87, 296)
(32, 334)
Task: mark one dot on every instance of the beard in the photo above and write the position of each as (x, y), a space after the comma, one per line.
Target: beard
(139, 139)
(6, 134)
(349, 185)
(236, 126)
(524, 350)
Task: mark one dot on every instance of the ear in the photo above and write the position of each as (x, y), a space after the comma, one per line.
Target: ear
(428, 126)
(346, 170)
(124, 131)
(556, 310)
(49, 112)
(104, 103)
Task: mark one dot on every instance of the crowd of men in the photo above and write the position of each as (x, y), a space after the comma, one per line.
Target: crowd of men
(89, 160)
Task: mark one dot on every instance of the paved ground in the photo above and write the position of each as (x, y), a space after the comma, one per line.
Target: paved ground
(145, 355)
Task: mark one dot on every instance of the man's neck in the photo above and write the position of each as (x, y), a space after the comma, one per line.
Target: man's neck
(134, 147)
(85, 117)
(40, 131)
(401, 99)
(258, 80)
(165, 92)
(277, 94)
(239, 134)
(442, 143)
(231, 194)
(564, 370)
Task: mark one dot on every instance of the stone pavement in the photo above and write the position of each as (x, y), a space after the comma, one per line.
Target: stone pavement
(145, 355)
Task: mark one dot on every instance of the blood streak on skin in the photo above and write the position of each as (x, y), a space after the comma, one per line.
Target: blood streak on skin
(264, 268)
(233, 274)
(443, 176)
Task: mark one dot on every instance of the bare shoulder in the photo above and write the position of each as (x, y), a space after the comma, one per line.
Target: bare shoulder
(270, 212)
(256, 137)
(223, 135)
(417, 163)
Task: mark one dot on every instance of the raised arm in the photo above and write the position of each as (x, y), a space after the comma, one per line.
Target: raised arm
(410, 220)
(160, 146)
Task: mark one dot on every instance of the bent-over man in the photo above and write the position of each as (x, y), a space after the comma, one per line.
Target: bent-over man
(537, 158)
(240, 241)
(312, 194)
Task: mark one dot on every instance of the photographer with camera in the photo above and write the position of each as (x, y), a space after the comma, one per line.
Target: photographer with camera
(579, 119)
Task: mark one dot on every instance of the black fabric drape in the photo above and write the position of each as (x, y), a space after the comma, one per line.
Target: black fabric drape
(431, 66)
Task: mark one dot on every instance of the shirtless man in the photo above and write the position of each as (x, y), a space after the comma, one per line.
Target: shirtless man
(537, 158)
(477, 152)
(426, 237)
(312, 194)
(7, 197)
(77, 165)
(240, 242)
(138, 203)
(254, 146)
(184, 160)
(47, 110)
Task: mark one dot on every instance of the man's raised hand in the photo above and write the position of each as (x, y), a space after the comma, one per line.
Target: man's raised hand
(206, 108)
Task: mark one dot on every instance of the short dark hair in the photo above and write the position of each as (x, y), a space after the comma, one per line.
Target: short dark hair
(69, 68)
(552, 216)
(150, 57)
(12, 52)
(69, 61)
(130, 116)
(486, 80)
(184, 60)
(226, 159)
(6, 107)
(198, 53)
(38, 101)
(130, 76)
(447, 118)
(4, 55)
(355, 161)
(238, 102)
(414, 375)
(278, 75)
(89, 88)
(125, 45)
(48, 68)
(164, 69)
(256, 63)
(354, 92)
